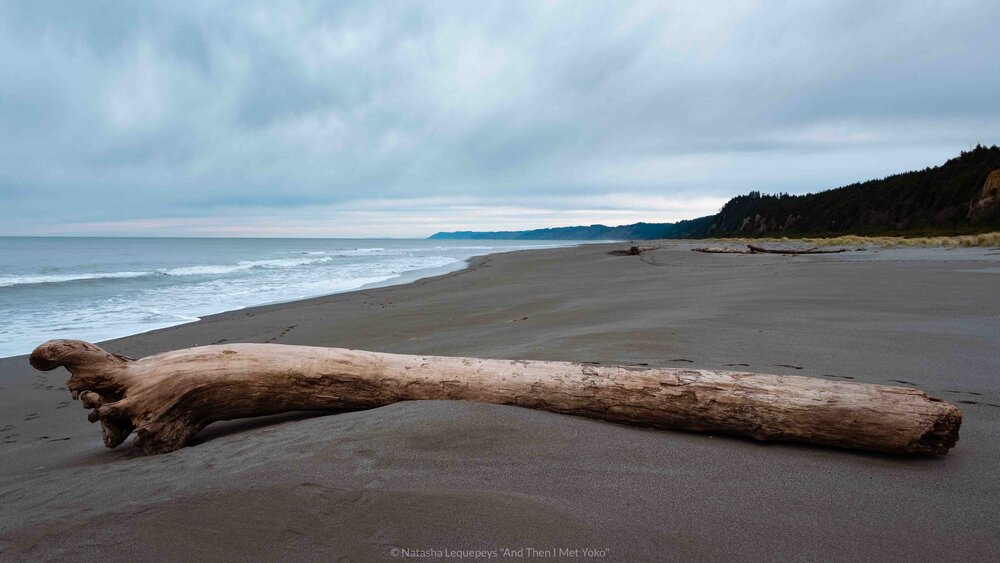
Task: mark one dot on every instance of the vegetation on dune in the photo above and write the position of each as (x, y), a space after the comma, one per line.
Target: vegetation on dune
(981, 239)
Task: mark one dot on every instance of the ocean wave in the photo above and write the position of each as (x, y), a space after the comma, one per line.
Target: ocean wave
(497, 248)
(365, 252)
(9, 281)
(219, 269)
(156, 315)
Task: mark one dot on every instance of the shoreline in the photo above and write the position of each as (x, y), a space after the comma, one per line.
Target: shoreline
(413, 276)
(469, 264)
(468, 475)
(403, 278)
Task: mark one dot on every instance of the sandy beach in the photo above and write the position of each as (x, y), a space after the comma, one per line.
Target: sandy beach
(450, 478)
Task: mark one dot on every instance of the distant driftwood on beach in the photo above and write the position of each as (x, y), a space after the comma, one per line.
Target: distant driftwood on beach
(168, 398)
(753, 249)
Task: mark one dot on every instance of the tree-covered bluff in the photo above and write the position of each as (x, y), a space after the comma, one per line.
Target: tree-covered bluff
(958, 197)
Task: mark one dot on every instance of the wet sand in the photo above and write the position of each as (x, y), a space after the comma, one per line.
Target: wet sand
(460, 476)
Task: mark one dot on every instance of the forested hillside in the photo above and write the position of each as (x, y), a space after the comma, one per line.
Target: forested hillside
(930, 201)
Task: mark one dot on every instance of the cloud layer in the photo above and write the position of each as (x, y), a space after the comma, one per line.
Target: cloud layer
(367, 119)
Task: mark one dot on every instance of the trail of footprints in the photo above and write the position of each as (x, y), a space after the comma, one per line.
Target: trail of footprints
(9, 433)
(283, 333)
(275, 338)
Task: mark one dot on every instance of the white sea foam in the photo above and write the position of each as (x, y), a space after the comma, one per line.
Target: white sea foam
(214, 270)
(369, 252)
(221, 269)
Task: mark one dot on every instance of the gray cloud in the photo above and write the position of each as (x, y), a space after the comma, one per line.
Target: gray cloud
(246, 117)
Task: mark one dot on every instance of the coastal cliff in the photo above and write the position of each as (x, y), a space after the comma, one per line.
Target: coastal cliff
(986, 204)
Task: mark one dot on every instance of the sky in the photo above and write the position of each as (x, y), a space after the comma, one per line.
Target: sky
(368, 119)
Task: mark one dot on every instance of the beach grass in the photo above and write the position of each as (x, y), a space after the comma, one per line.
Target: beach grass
(977, 240)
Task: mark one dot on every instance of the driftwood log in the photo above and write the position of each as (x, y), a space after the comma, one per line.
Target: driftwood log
(167, 398)
(720, 250)
(759, 249)
(634, 250)
(752, 249)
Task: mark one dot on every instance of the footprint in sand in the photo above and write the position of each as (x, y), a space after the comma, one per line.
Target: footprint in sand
(967, 402)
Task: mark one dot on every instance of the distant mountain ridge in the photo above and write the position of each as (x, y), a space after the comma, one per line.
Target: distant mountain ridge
(960, 196)
(681, 229)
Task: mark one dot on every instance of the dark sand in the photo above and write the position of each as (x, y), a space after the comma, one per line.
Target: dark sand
(462, 476)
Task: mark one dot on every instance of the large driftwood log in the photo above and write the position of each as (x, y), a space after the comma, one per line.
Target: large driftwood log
(167, 398)
(813, 250)
(720, 250)
(751, 249)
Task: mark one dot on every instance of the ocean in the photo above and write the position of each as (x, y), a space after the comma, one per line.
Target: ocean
(100, 288)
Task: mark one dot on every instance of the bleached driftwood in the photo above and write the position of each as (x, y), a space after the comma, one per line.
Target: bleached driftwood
(752, 249)
(167, 398)
(720, 250)
(814, 250)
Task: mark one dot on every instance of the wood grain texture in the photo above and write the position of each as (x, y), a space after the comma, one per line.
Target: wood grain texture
(168, 398)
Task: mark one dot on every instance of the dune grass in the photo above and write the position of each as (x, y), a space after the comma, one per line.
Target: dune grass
(982, 239)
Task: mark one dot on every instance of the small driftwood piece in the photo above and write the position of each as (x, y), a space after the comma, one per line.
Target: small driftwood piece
(633, 250)
(167, 398)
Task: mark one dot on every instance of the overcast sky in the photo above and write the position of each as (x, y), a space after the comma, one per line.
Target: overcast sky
(404, 118)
